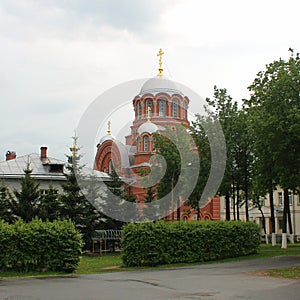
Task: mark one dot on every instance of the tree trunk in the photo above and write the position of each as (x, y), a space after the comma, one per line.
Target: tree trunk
(290, 224)
(198, 211)
(272, 216)
(233, 204)
(238, 204)
(227, 204)
(246, 190)
(263, 222)
(284, 222)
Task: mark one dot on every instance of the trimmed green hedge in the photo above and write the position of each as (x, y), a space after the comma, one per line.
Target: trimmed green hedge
(147, 244)
(39, 246)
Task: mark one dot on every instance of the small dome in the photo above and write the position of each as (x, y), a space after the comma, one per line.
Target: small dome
(147, 127)
(106, 138)
(150, 128)
(159, 84)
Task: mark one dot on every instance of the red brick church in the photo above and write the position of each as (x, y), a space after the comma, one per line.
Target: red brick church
(159, 104)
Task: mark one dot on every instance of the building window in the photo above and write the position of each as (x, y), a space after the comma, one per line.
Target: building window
(280, 223)
(149, 103)
(153, 144)
(139, 144)
(298, 197)
(146, 143)
(175, 109)
(279, 198)
(162, 108)
(45, 192)
(290, 198)
(139, 110)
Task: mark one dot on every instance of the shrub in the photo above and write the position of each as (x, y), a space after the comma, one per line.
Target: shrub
(39, 246)
(164, 243)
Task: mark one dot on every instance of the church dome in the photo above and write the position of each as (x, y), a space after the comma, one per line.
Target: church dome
(149, 127)
(159, 84)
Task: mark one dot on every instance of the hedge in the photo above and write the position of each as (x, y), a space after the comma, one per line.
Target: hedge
(39, 246)
(147, 244)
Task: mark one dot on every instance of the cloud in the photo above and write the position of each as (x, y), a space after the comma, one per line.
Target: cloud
(56, 56)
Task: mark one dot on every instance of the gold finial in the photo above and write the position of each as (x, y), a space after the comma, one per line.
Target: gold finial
(108, 128)
(148, 113)
(160, 69)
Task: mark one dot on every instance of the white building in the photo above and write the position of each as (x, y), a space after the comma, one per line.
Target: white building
(45, 170)
(255, 214)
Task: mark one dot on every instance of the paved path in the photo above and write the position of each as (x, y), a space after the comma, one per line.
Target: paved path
(215, 281)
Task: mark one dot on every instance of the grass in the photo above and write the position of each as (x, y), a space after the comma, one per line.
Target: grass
(93, 264)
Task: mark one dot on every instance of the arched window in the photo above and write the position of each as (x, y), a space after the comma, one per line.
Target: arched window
(139, 144)
(175, 108)
(139, 110)
(162, 107)
(153, 144)
(149, 103)
(146, 143)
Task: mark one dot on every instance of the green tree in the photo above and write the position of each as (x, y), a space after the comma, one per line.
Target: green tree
(175, 146)
(275, 105)
(25, 202)
(116, 203)
(5, 204)
(50, 205)
(200, 137)
(74, 205)
(223, 109)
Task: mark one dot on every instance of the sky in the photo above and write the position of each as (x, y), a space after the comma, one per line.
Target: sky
(56, 57)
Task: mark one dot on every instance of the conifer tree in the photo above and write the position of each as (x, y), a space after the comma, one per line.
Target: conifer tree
(49, 208)
(25, 202)
(74, 205)
(5, 204)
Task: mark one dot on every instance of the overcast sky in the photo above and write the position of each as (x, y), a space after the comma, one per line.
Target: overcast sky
(56, 57)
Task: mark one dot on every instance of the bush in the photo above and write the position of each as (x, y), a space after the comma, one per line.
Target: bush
(147, 244)
(39, 246)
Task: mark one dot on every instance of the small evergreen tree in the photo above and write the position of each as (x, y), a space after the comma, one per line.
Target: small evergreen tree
(49, 208)
(5, 204)
(74, 205)
(122, 191)
(26, 201)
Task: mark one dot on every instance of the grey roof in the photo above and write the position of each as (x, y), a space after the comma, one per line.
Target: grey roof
(14, 168)
(160, 84)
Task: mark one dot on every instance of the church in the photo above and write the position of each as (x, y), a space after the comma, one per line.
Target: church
(159, 104)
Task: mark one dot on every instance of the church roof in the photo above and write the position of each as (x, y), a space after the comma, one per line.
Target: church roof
(150, 128)
(159, 84)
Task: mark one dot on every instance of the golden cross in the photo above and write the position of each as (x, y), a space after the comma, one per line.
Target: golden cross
(148, 113)
(108, 128)
(160, 70)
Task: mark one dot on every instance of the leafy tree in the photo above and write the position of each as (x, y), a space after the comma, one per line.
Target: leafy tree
(275, 105)
(202, 142)
(176, 149)
(225, 110)
(25, 202)
(150, 196)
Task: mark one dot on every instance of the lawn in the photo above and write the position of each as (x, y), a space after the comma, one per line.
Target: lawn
(92, 264)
